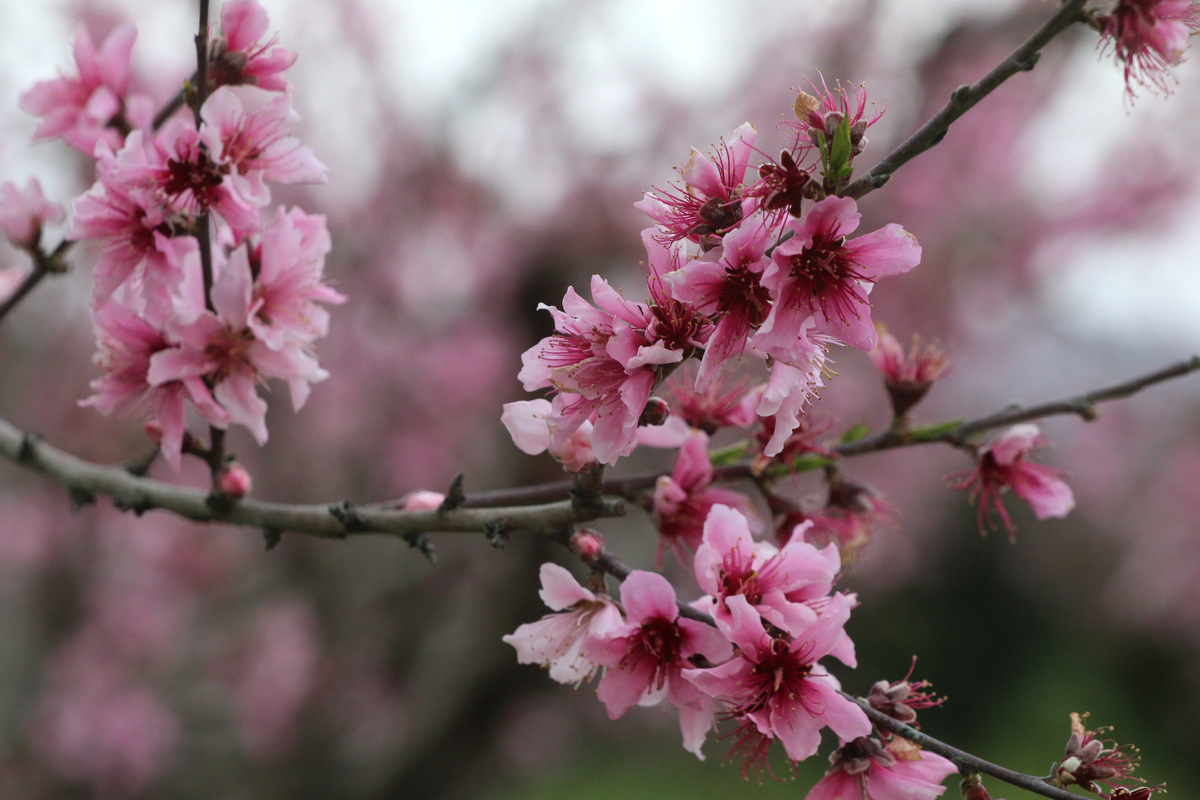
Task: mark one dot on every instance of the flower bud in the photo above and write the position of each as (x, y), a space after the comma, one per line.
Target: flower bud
(588, 545)
(422, 500)
(233, 481)
(655, 413)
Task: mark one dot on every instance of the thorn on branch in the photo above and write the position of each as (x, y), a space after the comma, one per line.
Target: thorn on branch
(878, 181)
(138, 504)
(271, 538)
(496, 533)
(961, 94)
(454, 495)
(1088, 412)
(81, 498)
(420, 541)
(345, 513)
(28, 443)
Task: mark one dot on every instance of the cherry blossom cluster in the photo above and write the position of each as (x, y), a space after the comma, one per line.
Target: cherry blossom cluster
(763, 268)
(181, 324)
(775, 616)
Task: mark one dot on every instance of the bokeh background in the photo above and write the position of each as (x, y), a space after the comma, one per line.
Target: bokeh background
(484, 156)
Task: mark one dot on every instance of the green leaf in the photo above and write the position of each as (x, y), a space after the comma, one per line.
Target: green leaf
(854, 433)
(839, 152)
(728, 455)
(933, 432)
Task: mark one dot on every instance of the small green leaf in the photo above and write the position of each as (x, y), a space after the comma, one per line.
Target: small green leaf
(933, 432)
(854, 433)
(728, 455)
(839, 151)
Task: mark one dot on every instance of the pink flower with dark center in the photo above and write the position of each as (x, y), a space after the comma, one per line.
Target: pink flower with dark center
(730, 563)
(722, 404)
(556, 641)
(775, 686)
(247, 131)
(1004, 464)
(865, 769)
(219, 347)
(726, 284)
(821, 272)
(1150, 37)
(710, 203)
(673, 324)
(646, 655)
(901, 699)
(87, 109)
(603, 366)
(239, 55)
(683, 500)
(23, 212)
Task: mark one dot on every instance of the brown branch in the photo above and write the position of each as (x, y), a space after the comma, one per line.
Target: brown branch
(44, 264)
(329, 520)
(962, 99)
(962, 759)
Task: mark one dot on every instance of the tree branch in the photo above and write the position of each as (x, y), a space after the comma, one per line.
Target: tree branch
(962, 759)
(962, 99)
(329, 520)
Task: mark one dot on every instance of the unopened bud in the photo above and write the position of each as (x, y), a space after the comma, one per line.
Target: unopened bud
(422, 500)
(972, 788)
(805, 107)
(588, 545)
(655, 412)
(233, 481)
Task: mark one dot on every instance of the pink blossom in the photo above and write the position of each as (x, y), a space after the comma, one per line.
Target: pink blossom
(775, 583)
(128, 342)
(219, 347)
(817, 118)
(557, 640)
(725, 282)
(1004, 464)
(821, 272)
(791, 388)
(1150, 37)
(288, 264)
(908, 376)
(89, 108)
(528, 423)
(684, 499)
(602, 365)
(722, 403)
(775, 685)
(248, 133)
(865, 769)
(645, 656)
(710, 201)
(23, 212)
(238, 53)
(673, 324)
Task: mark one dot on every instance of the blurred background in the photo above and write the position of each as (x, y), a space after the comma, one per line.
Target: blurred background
(484, 156)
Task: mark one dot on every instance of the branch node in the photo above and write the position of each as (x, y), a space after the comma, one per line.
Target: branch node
(496, 532)
(961, 94)
(1028, 63)
(420, 541)
(28, 443)
(879, 180)
(81, 498)
(454, 496)
(271, 538)
(345, 513)
(1088, 412)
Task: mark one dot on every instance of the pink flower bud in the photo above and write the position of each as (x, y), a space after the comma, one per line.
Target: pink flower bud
(655, 412)
(422, 500)
(233, 481)
(588, 545)
(24, 211)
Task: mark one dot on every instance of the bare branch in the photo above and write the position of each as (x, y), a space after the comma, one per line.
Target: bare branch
(962, 99)
(962, 759)
(143, 494)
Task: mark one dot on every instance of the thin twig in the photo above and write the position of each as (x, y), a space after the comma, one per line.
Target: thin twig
(43, 264)
(960, 758)
(964, 98)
